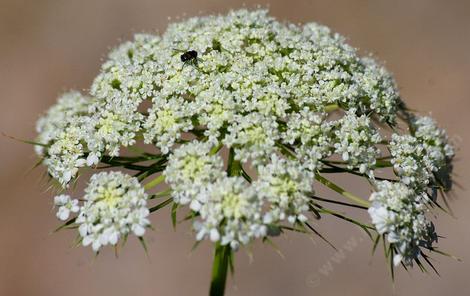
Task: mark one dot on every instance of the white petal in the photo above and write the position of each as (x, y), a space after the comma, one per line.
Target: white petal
(92, 159)
(63, 213)
(96, 245)
(138, 230)
(397, 259)
(214, 235)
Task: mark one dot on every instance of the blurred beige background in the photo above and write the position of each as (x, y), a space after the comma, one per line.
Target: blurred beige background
(47, 47)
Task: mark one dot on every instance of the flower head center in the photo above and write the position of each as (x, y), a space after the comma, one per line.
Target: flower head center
(110, 196)
(193, 167)
(232, 205)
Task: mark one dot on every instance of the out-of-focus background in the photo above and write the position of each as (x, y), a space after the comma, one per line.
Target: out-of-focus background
(49, 46)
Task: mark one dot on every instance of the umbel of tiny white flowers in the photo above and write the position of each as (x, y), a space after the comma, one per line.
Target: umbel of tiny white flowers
(66, 206)
(399, 213)
(115, 205)
(289, 103)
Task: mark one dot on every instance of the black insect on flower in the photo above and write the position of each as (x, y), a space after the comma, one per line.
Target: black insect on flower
(189, 57)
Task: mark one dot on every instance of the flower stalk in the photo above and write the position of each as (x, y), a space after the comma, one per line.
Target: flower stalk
(155, 182)
(222, 253)
(341, 191)
(219, 269)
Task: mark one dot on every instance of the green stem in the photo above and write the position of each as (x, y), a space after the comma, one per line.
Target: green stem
(383, 163)
(222, 255)
(161, 194)
(220, 269)
(341, 191)
(216, 149)
(234, 167)
(161, 205)
(154, 182)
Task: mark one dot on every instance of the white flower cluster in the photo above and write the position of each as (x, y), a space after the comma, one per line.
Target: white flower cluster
(355, 141)
(253, 137)
(419, 157)
(75, 132)
(167, 119)
(285, 185)
(251, 73)
(68, 107)
(435, 142)
(125, 81)
(408, 160)
(66, 206)
(311, 136)
(190, 170)
(261, 88)
(232, 210)
(114, 205)
(399, 212)
(232, 213)
(421, 160)
(62, 133)
(253, 81)
(378, 91)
